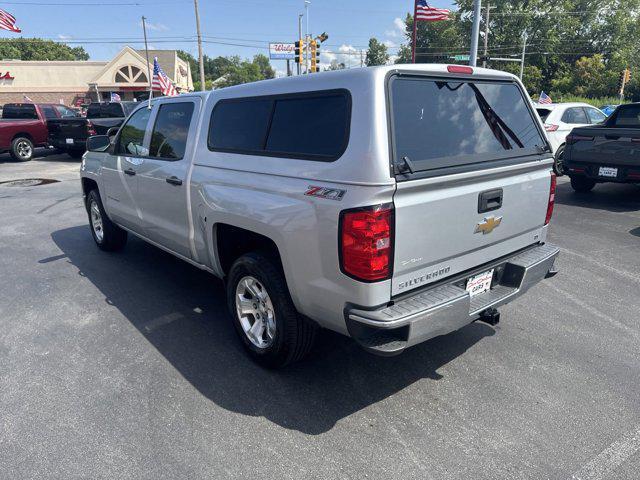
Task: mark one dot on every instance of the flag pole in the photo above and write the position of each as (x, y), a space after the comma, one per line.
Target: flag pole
(415, 32)
(146, 51)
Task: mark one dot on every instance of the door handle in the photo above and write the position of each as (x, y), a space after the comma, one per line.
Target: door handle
(490, 200)
(130, 171)
(174, 181)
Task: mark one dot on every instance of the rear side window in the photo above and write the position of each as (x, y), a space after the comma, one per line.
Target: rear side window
(575, 115)
(312, 126)
(170, 132)
(20, 112)
(595, 115)
(627, 117)
(450, 123)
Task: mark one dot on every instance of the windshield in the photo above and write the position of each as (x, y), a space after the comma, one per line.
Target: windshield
(438, 124)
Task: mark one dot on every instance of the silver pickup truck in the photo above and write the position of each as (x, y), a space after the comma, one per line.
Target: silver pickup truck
(391, 204)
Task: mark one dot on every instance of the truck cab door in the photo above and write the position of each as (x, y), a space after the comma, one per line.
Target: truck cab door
(163, 186)
(120, 170)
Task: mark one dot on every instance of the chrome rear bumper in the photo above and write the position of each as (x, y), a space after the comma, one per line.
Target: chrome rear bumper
(446, 307)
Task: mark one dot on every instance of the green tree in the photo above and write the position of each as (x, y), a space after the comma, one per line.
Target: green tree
(39, 49)
(266, 70)
(377, 53)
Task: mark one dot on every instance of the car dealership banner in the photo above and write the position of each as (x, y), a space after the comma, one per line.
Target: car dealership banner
(282, 51)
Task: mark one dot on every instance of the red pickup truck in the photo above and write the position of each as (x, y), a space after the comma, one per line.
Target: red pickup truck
(23, 127)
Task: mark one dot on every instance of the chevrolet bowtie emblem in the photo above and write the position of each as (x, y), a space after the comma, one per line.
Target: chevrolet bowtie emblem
(488, 225)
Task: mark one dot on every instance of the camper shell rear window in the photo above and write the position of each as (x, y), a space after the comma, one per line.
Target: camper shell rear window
(445, 124)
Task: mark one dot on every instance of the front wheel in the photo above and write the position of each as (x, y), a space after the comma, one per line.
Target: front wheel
(107, 235)
(582, 184)
(558, 163)
(21, 149)
(271, 330)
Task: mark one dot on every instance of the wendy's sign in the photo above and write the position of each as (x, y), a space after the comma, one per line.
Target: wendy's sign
(282, 51)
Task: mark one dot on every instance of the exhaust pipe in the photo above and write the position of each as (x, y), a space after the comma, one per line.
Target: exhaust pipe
(490, 316)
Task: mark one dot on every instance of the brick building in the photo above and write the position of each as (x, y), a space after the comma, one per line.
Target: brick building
(75, 82)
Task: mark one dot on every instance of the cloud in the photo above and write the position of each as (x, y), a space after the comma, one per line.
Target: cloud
(399, 29)
(157, 27)
(347, 54)
(390, 44)
(62, 36)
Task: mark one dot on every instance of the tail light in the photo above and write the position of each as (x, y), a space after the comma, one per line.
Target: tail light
(551, 128)
(552, 198)
(460, 69)
(366, 243)
(571, 138)
(91, 130)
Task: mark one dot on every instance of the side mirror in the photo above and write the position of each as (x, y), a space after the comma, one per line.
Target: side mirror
(98, 143)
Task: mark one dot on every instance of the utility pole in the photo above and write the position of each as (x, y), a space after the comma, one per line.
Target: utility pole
(146, 51)
(307, 40)
(200, 56)
(361, 59)
(486, 35)
(475, 33)
(300, 37)
(524, 52)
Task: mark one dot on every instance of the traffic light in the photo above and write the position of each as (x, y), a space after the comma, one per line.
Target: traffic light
(627, 75)
(622, 81)
(299, 51)
(315, 56)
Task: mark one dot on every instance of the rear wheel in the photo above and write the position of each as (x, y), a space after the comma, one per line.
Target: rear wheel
(271, 330)
(582, 184)
(107, 235)
(21, 149)
(558, 164)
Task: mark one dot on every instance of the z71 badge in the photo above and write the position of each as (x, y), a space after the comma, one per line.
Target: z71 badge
(324, 192)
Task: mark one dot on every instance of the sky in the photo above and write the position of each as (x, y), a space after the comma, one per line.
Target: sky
(229, 27)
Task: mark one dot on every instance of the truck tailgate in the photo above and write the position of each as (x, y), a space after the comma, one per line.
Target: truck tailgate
(619, 146)
(440, 233)
(62, 129)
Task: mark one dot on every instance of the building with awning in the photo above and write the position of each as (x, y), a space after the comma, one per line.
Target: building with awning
(77, 82)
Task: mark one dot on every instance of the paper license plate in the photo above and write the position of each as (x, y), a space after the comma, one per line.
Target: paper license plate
(480, 283)
(69, 141)
(608, 172)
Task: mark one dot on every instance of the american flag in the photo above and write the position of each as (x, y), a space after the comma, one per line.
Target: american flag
(425, 13)
(545, 99)
(8, 22)
(115, 97)
(162, 83)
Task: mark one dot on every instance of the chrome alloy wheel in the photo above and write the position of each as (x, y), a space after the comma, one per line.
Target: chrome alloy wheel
(255, 312)
(96, 221)
(23, 149)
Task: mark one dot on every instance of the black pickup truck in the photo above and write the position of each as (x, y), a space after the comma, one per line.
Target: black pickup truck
(70, 134)
(605, 153)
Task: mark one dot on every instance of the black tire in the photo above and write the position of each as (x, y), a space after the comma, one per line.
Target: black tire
(113, 237)
(582, 184)
(558, 162)
(75, 153)
(294, 334)
(21, 149)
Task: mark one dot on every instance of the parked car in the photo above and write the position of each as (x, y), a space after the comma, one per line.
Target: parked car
(389, 204)
(605, 153)
(24, 127)
(560, 118)
(70, 134)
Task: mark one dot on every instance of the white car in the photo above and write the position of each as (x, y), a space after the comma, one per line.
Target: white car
(560, 118)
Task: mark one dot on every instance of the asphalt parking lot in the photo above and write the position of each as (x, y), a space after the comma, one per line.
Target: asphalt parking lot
(126, 365)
